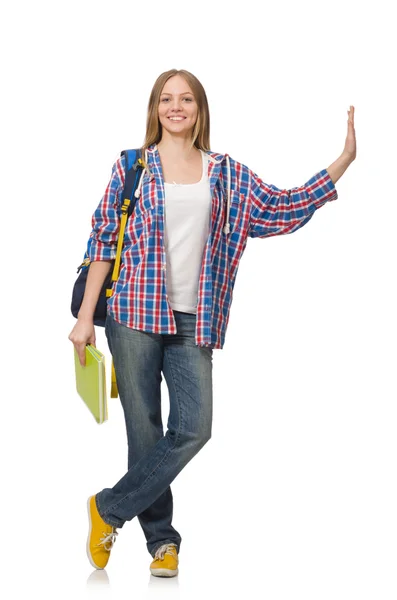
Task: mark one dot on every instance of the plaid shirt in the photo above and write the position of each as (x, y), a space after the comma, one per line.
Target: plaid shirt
(257, 209)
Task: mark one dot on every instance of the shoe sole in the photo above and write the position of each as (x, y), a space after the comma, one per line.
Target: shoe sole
(89, 536)
(164, 572)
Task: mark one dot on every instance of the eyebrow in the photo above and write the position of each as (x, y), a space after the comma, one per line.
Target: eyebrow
(183, 94)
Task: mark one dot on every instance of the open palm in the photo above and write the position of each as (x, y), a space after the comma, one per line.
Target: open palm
(350, 148)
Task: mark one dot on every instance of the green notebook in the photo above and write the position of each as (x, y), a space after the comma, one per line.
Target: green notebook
(91, 382)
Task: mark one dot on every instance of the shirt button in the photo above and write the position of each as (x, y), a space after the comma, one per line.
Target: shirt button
(163, 267)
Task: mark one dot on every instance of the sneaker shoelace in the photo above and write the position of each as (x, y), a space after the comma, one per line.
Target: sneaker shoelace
(164, 549)
(110, 537)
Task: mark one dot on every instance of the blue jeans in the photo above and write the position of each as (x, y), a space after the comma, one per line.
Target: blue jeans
(155, 459)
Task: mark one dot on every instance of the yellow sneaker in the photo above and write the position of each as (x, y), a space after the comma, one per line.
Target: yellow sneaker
(165, 562)
(101, 537)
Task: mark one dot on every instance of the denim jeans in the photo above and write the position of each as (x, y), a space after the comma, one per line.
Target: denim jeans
(155, 458)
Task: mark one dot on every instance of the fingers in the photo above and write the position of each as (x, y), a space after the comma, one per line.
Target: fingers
(81, 335)
(80, 349)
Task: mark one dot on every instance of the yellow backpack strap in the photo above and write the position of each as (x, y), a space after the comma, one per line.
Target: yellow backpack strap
(114, 392)
(124, 217)
(124, 210)
(130, 183)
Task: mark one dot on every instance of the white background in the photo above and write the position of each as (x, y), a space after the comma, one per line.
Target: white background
(295, 495)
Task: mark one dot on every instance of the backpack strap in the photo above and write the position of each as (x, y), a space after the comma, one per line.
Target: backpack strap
(132, 170)
(132, 165)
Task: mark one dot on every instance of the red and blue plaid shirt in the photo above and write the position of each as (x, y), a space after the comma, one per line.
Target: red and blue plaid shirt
(257, 209)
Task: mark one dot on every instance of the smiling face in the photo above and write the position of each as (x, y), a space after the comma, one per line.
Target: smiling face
(177, 100)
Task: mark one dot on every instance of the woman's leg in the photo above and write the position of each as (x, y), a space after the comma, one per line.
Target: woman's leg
(138, 361)
(188, 372)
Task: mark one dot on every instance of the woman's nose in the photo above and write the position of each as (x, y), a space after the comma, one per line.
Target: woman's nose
(176, 105)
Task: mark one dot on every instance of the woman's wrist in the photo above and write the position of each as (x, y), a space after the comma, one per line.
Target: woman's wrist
(85, 316)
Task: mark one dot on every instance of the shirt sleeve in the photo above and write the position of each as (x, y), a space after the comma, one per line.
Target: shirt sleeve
(102, 243)
(274, 211)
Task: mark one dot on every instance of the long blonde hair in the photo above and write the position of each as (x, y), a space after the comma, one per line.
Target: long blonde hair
(201, 131)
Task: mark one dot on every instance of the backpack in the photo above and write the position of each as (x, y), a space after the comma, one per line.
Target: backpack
(133, 166)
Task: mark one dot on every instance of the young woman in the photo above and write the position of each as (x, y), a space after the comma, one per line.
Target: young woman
(170, 306)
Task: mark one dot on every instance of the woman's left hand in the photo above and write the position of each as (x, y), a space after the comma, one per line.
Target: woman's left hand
(350, 144)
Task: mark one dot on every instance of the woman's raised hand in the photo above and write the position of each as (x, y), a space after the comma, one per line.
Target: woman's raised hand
(350, 144)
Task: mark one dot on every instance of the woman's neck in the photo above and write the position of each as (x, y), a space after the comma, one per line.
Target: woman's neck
(177, 151)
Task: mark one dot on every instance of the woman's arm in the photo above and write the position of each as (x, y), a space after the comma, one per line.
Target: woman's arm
(101, 251)
(336, 170)
(83, 332)
(102, 243)
(275, 211)
(338, 167)
(96, 276)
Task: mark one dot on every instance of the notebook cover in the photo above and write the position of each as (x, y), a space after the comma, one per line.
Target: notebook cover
(91, 382)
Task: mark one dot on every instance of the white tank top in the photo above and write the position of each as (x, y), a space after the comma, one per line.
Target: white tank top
(187, 226)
